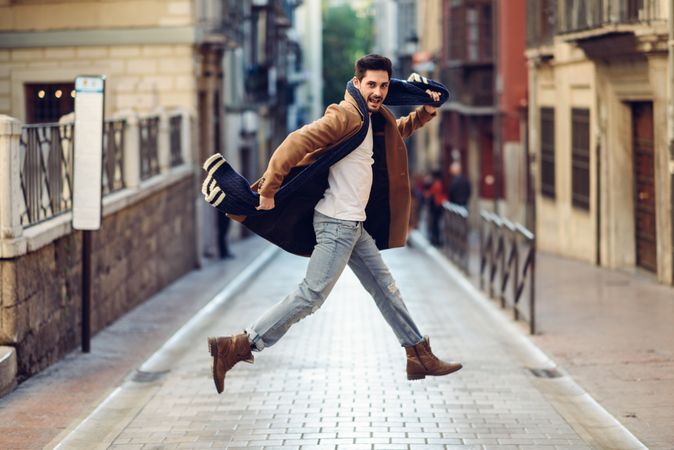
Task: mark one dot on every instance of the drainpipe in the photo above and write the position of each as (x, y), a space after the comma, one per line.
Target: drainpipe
(670, 127)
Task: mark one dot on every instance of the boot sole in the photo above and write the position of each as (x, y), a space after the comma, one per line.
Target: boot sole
(421, 376)
(213, 350)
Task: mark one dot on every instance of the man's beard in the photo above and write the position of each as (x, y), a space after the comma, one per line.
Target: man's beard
(378, 100)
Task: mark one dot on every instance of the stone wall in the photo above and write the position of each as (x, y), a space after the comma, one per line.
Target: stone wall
(139, 250)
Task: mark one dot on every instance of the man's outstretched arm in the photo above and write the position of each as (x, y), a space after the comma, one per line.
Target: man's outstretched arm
(415, 120)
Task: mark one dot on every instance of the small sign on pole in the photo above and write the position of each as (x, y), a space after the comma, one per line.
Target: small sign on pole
(88, 160)
(87, 180)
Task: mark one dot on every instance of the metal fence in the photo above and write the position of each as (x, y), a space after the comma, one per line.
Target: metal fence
(175, 127)
(580, 15)
(541, 22)
(148, 128)
(46, 171)
(455, 234)
(113, 155)
(502, 243)
(46, 162)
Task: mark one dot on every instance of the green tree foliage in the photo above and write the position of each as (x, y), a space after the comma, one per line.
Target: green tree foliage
(346, 37)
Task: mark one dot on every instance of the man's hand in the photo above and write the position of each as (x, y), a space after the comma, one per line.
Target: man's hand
(266, 203)
(436, 98)
(434, 95)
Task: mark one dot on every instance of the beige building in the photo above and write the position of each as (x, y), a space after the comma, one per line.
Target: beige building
(427, 144)
(598, 131)
(153, 54)
(146, 49)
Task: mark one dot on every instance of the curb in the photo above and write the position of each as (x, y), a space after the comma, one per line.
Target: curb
(587, 417)
(8, 369)
(100, 428)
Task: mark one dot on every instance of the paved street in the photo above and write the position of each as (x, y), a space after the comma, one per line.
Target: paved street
(337, 379)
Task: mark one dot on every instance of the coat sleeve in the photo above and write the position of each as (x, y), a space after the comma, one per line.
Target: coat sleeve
(414, 120)
(335, 124)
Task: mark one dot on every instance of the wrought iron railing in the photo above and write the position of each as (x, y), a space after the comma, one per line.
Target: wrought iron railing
(46, 171)
(175, 135)
(224, 17)
(541, 22)
(148, 129)
(455, 234)
(113, 155)
(501, 245)
(581, 15)
(46, 162)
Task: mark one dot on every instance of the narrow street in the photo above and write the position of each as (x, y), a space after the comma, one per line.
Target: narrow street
(337, 379)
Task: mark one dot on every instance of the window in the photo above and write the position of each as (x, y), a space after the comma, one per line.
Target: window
(548, 152)
(470, 31)
(46, 103)
(580, 158)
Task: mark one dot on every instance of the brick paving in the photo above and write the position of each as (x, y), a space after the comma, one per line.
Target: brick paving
(50, 402)
(611, 330)
(337, 379)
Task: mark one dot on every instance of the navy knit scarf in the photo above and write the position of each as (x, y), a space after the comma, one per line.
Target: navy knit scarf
(230, 193)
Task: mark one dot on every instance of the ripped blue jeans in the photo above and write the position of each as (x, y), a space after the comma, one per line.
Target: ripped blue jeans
(338, 243)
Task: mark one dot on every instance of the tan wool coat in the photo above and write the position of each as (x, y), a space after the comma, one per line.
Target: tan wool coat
(388, 208)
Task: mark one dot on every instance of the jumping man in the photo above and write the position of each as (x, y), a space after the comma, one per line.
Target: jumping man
(367, 193)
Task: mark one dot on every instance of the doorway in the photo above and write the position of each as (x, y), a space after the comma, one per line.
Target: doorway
(644, 185)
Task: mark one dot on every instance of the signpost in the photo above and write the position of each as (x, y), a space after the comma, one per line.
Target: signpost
(87, 180)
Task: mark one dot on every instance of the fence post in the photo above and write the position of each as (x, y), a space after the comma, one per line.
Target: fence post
(186, 136)
(516, 276)
(131, 149)
(10, 178)
(532, 289)
(163, 141)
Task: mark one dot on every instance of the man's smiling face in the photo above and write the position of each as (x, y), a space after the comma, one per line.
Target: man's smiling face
(373, 87)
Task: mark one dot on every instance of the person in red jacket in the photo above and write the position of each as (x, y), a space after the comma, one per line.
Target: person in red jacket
(435, 195)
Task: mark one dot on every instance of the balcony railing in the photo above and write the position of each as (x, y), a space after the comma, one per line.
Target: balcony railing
(470, 32)
(473, 87)
(583, 15)
(541, 22)
(223, 17)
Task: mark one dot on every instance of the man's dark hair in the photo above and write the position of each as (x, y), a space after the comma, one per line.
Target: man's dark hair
(372, 62)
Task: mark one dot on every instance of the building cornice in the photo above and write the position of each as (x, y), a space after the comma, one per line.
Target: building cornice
(98, 37)
(469, 110)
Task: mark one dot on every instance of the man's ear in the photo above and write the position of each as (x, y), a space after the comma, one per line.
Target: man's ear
(356, 82)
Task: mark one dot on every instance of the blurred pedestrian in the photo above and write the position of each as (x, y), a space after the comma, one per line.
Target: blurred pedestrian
(417, 200)
(459, 186)
(435, 197)
(223, 230)
(338, 219)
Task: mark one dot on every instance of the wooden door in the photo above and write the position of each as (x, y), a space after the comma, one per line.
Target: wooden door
(644, 185)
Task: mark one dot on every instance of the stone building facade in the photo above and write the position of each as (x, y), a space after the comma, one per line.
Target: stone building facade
(162, 63)
(138, 250)
(600, 98)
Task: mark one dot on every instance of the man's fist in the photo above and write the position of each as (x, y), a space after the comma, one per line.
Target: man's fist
(266, 203)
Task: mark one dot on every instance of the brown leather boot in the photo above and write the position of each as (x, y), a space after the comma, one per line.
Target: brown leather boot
(421, 362)
(225, 353)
